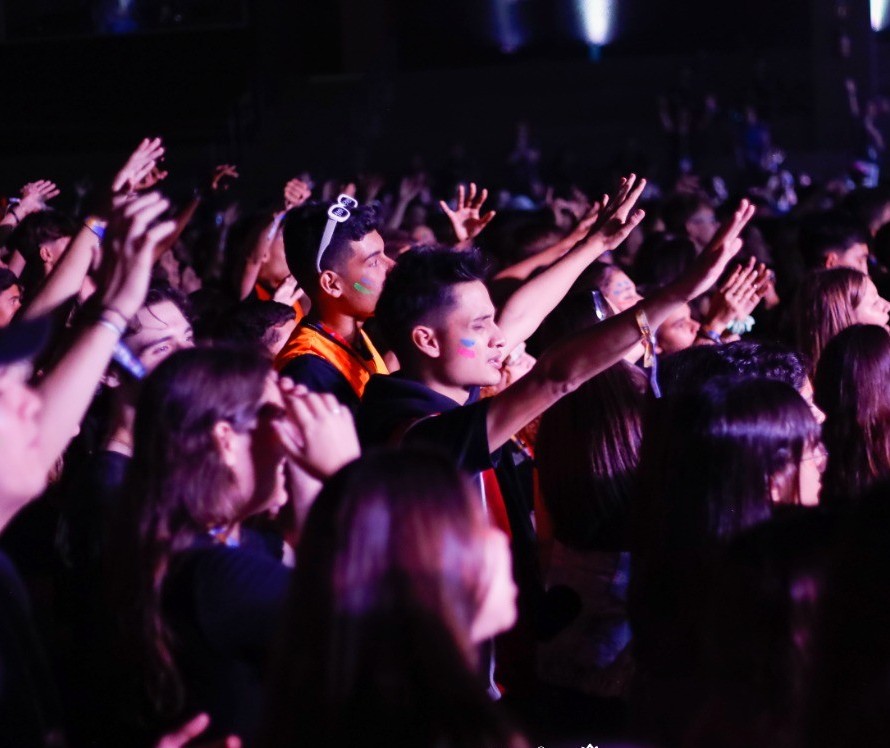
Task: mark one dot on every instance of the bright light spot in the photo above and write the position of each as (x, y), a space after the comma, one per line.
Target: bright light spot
(597, 20)
(880, 14)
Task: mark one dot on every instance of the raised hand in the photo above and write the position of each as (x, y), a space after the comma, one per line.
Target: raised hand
(616, 217)
(738, 296)
(296, 192)
(222, 177)
(410, 187)
(318, 432)
(191, 730)
(467, 220)
(34, 196)
(370, 186)
(149, 180)
(138, 166)
(711, 263)
(129, 246)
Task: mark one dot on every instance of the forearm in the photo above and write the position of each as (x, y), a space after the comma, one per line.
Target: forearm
(67, 277)
(182, 220)
(68, 388)
(526, 309)
(397, 215)
(565, 366)
(524, 268)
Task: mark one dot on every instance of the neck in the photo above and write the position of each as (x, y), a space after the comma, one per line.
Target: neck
(458, 393)
(344, 325)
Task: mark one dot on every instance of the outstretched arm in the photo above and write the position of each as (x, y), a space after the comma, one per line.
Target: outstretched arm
(526, 309)
(69, 387)
(567, 365)
(66, 278)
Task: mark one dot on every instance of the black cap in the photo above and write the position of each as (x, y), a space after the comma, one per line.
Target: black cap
(23, 340)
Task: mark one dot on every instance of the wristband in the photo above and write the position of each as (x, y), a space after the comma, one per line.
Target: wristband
(118, 312)
(650, 359)
(111, 326)
(710, 335)
(11, 212)
(96, 225)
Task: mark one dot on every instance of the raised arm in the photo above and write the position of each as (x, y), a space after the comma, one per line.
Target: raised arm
(69, 387)
(533, 301)
(565, 366)
(66, 278)
(467, 218)
(34, 197)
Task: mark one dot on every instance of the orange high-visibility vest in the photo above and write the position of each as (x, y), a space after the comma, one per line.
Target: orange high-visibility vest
(308, 339)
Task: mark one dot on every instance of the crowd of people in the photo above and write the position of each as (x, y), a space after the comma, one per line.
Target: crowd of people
(403, 462)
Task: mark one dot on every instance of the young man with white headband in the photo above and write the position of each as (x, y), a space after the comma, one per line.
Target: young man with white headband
(336, 254)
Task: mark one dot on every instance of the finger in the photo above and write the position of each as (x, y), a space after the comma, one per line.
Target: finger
(157, 234)
(472, 195)
(141, 202)
(316, 405)
(331, 403)
(445, 209)
(460, 196)
(630, 199)
(734, 276)
(139, 225)
(301, 412)
(190, 730)
(483, 196)
(291, 435)
(627, 227)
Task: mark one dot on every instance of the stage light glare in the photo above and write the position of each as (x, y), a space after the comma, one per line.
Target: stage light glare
(597, 20)
(880, 14)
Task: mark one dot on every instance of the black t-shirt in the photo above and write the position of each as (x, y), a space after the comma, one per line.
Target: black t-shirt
(224, 605)
(319, 375)
(397, 410)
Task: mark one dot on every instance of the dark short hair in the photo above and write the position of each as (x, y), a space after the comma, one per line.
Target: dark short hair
(419, 289)
(39, 228)
(829, 231)
(303, 229)
(8, 279)
(248, 322)
(159, 291)
(693, 367)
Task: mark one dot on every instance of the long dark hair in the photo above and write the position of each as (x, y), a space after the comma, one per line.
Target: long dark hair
(826, 303)
(587, 454)
(710, 461)
(851, 387)
(377, 648)
(178, 487)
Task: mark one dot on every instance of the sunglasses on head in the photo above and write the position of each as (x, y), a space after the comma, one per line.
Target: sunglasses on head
(339, 212)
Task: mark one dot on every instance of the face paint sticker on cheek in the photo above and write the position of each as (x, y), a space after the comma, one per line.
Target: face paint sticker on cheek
(364, 286)
(466, 345)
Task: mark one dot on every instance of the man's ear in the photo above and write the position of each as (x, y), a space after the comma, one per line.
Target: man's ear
(45, 254)
(224, 439)
(426, 341)
(331, 283)
(832, 260)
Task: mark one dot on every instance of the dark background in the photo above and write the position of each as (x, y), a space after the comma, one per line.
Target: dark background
(346, 85)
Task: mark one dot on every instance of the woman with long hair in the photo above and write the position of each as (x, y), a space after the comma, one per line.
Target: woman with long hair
(715, 461)
(851, 387)
(200, 594)
(829, 301)
(587, 454)
(398, 578)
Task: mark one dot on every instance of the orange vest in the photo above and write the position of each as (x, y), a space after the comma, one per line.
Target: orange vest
(355, 368)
